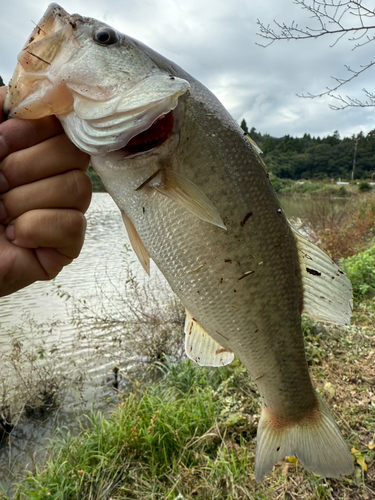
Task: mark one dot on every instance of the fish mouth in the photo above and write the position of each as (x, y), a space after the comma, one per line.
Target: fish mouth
(152, 137)
(32, 88)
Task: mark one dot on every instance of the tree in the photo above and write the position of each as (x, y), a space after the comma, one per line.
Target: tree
(1, 82)
(244, 126)
(337, 19)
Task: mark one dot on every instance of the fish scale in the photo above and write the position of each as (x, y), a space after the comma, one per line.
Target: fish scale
(199, 204)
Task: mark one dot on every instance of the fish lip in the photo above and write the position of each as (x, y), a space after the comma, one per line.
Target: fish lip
(54, 20)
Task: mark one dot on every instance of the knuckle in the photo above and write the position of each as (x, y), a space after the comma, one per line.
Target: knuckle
(10, 167)
(79, 188)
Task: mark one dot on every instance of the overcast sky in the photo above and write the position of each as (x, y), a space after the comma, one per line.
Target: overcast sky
(215, 41)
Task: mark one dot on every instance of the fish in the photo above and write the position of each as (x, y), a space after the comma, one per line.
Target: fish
(196, 199)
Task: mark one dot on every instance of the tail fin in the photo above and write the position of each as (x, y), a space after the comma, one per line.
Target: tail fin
(317, 443)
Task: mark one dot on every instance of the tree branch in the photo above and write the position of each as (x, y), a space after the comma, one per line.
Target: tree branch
(337, 18)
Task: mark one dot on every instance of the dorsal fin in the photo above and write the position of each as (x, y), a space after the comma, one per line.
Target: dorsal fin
(136, 243)
(257, 150)
(327, 292)
(202, 348)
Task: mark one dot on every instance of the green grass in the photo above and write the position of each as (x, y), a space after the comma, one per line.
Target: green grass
(191, 434)
(288, 187)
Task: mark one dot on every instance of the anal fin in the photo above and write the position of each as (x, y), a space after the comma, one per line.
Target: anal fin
(202, 348)
(136, 243)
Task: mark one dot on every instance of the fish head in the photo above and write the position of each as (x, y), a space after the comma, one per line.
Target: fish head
(104, 87)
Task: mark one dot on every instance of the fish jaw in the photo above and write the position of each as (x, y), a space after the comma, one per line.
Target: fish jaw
(35, 90)
(58, 71)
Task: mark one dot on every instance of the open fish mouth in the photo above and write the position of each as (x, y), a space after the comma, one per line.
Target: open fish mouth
(152, 137)
(58, 71)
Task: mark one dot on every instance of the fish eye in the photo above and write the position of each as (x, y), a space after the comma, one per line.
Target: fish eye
(106, 36)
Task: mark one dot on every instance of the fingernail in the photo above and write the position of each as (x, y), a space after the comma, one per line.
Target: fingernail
(4, 186)
(3, 214)
(10, 233)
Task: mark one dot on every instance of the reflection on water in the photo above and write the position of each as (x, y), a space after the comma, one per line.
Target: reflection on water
(49, 334)
(295, 207)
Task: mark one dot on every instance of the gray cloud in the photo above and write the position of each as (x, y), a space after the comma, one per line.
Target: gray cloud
(215, 41)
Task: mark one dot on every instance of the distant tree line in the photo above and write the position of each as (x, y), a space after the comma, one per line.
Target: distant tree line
(314, 157)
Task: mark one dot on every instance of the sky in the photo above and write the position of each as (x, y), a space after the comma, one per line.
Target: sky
(216, 41)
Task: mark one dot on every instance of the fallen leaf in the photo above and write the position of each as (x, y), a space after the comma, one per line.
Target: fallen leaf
(360, 459)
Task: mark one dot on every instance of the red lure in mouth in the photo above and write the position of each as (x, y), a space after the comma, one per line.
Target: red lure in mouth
(152, 137)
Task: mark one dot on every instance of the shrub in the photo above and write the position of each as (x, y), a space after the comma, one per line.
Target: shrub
(360, 269)
(364, 186)
(342, 191)
(341, 229)
(280, 185)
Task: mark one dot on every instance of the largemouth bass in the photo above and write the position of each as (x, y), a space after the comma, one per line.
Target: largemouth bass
(196, 199)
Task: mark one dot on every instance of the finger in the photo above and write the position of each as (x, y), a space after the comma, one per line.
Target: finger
(52, 262)
(49, 158)
(69, 190)
(61, 229)
(22, 134)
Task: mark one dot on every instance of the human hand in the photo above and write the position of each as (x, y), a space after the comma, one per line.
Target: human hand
(44, 192)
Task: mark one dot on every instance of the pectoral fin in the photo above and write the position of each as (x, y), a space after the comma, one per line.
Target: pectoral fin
(179, 189)
(202, 348)
(327, 292)
(136, 243)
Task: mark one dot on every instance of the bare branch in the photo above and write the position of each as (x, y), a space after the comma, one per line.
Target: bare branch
(347, 100)
(336, 18)
(325, 13)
